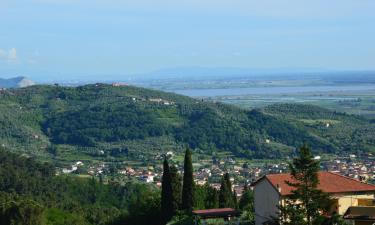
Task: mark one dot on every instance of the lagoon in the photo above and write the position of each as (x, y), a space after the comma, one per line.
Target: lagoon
(211, 92)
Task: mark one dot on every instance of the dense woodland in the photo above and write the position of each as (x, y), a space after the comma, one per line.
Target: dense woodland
(43, 119)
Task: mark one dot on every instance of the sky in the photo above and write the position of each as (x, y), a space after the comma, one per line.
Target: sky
(73, 39)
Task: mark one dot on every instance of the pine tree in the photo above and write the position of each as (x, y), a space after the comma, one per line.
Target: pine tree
(166, 194)
(176, 181)
(306, 202)
(188, 183)
(225, 194)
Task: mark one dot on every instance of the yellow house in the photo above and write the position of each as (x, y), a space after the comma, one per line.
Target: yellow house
(270, 191)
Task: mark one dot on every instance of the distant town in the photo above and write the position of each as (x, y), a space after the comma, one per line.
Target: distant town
(361, 168)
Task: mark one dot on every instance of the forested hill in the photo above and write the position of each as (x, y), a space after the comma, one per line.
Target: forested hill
(122, 119)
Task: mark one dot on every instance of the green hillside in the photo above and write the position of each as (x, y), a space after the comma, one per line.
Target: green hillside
(348, 133)
(96, 121)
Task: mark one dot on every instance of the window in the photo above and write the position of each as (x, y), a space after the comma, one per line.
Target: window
(366, 202)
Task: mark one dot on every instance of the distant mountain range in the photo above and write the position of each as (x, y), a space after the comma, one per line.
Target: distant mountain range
(16, 82)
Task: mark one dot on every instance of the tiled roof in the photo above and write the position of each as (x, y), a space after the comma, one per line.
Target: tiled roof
(216, 213)
(328, 182)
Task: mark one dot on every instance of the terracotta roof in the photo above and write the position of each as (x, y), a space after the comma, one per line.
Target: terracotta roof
(329, 182)
(216, 213)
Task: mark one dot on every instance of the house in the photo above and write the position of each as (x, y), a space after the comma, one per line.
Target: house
(270, 191)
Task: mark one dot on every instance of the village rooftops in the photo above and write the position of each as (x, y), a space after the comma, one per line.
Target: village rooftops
(328, 182)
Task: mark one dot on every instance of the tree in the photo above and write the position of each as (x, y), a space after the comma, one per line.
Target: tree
(235, 202)
(176, 182)
(212, 198)
(145, 211)
(188, 183)
(200, 195)
(226, 197)
(247, 200)
(306, 202)
(246, 205)
(166, 193)
(25, 212)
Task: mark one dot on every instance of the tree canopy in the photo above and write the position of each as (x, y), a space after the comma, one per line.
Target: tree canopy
(306, 203)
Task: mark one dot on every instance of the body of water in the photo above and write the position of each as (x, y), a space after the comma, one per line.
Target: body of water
(271, 90)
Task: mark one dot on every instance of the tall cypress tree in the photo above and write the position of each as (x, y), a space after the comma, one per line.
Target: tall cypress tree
(176, 181)
(166, 194)
(188, 183)
(306, 201)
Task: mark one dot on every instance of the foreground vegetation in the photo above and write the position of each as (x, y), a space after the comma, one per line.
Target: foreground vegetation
(31, 194)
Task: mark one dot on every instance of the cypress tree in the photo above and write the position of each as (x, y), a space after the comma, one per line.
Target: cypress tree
(166, 194)
(188, 183)
(306, 201)
(176, 181)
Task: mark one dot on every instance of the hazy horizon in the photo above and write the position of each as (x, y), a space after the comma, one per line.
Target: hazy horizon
(49, 39)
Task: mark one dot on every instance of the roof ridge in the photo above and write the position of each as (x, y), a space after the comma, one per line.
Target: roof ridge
(277, 174)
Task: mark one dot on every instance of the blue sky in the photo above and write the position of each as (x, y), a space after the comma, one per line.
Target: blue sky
(84, 38)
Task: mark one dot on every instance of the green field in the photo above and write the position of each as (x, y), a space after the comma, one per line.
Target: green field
(352, 102)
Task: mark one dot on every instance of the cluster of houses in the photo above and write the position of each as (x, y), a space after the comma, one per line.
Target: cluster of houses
(153, 100)
(353, 198)
(145, 175)
(363, 169)
(73, 167)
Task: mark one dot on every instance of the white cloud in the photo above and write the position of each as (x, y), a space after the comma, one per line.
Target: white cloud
(8, 55)
(12, 56)
(3, 54)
